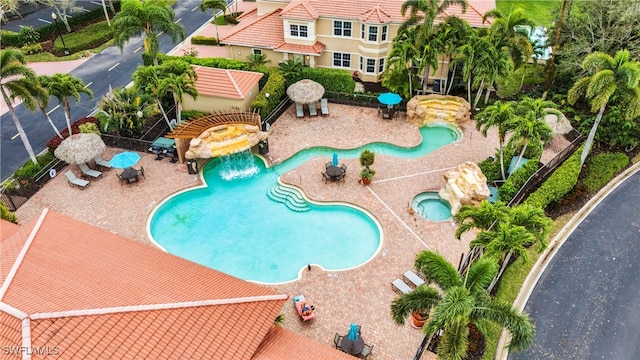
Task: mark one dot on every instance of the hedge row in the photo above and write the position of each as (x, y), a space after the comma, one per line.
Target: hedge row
(559, 183)
(275, 87)
(220, 63)
(516, 180)
(203, 40)
(602, 168)
(10, 39)
(97, 33)
(332, 79)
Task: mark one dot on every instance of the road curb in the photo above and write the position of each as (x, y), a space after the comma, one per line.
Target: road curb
(543, 261)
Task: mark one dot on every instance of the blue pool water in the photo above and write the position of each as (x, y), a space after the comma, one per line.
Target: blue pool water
(431, 206)
(232, 225)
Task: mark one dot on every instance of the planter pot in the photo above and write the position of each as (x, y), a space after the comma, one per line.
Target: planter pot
(418, 321)
(366, 181)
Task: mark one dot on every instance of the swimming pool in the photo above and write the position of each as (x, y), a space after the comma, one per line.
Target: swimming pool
(233, 226)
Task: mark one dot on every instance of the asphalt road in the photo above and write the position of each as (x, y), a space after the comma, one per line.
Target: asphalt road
(109, 68)
(586, 304)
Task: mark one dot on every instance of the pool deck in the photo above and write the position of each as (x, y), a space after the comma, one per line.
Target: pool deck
(360, 295)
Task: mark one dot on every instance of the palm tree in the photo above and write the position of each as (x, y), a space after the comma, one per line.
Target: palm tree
(453, 32)
(607, 77)
(256, 60)
(482, 217)
(493, 63)
(539, 107)
(41, 97)
(215, 5)
(146, 79)
(529, 128)
(149, 17)
(18, 81)
(398, 76)
(504, 239)
(500, 115)
(424, 12)
(510, 32)
(178, 85)
(469, 55)
(64, 87)
(292, 70)
(464, 302)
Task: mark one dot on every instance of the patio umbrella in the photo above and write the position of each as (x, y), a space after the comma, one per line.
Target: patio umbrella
(334, 161)
(305, 91)
(353, 332)
(124, 159)
(389, 98)
(80, 148)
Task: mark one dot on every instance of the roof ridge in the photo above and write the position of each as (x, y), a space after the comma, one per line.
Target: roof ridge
(23, 252)
(234, 83)
(12, 310)
(150, 307)
(260, 18)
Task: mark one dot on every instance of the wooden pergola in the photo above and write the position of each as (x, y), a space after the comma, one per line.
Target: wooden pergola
(184, 132)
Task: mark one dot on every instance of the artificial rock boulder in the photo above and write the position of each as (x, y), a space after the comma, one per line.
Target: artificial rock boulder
(466, 185)
(423, 109)
(223, 140)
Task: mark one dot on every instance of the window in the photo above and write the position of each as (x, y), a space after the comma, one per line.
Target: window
(381, 66)
(342, 60)
(362, 32)
(373, 33)
(257, 52)
(371, 65)
(384, 33)
(360, 63)
(299, 30)
(342, 28)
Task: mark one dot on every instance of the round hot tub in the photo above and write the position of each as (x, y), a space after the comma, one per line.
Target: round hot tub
(431, 206)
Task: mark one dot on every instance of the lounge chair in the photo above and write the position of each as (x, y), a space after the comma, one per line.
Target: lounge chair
(74, 181)
(297, 302)
(102, 162)
(312, 109)
(337, 339)
(299, 110)
(324, 107)
(401, 286)
(366, 351)
(413, 278)
(89, 172)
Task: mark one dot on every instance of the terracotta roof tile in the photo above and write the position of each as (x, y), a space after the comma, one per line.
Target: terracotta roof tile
(282, 344)
(375, 15)
(315, 49)
(265, 31)
(226, 83)
(12, 240)
(299, 10)
(10, 331)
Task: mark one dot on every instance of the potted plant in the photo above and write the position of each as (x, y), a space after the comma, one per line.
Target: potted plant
(418, 319)
(367, 157)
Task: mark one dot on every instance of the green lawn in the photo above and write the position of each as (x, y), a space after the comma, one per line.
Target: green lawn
(539, 10)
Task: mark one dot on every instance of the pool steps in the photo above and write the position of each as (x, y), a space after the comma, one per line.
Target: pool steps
(290, 197)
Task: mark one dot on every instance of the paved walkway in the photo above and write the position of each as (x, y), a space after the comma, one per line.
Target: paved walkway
(582, 294)
(362, 294)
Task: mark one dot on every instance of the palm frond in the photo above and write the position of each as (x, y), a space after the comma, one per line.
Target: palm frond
(437, 269)
(420, 300)
(517, 323)
(480, 274)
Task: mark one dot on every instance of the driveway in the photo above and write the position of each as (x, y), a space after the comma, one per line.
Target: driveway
(586, 304)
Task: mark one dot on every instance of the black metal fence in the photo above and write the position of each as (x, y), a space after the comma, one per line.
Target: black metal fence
(16, 191)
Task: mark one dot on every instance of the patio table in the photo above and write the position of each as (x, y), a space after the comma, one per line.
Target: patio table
(353, 347)
(129, 175)
(334, 172)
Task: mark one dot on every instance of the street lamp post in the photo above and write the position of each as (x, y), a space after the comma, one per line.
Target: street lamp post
(55, 19)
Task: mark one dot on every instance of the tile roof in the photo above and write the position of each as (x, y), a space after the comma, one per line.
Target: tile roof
(315, 49)
(10, 245)
(265, 31)
(299, 9)
(226, 83)
(282, 344)
(375, 15)
(94, 294)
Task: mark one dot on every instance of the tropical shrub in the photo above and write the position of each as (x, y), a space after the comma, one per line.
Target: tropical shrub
(203, 40)
(516, 180)
(120, 112)
(188, 115)
(28, 35)
(332, 79)
(89, 128)
(614, 129)
(30, 169)
(10, 38)
(86, 38)
(490, 167)
(220, 63)
(5, 214)
(31, 49)
(559, 183)
(602, 168)
(75, 127)
(275, 87)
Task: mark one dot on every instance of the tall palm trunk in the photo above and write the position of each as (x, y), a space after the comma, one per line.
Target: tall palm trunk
(501, 150)
(44, 112)
(16, 121)
(486, 97)
(592, 134)
(478, 94)
(66, 105)
(453, 76)
(215, 20)
(469, 88)
(524, 148)
(503, 267)
(164, 113)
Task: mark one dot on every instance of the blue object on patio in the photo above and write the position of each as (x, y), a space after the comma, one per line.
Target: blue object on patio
(353, 332)
(389, 98)
(494, 194)
(512, 165)
(124, 159)
(334, 160)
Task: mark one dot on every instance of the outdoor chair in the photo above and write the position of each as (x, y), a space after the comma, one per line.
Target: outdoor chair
(413, 278)
(328, 164)
(74, 181)
(89, 172)
(366, 351)
(324, 107)
(337, 338)
(299, 110)
(102, 162)
(326, 177)
(401, 286)
(312, 109)
(344, 168)
(141, 172)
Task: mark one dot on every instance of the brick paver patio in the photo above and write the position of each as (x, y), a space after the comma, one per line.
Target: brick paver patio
(359, 295)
